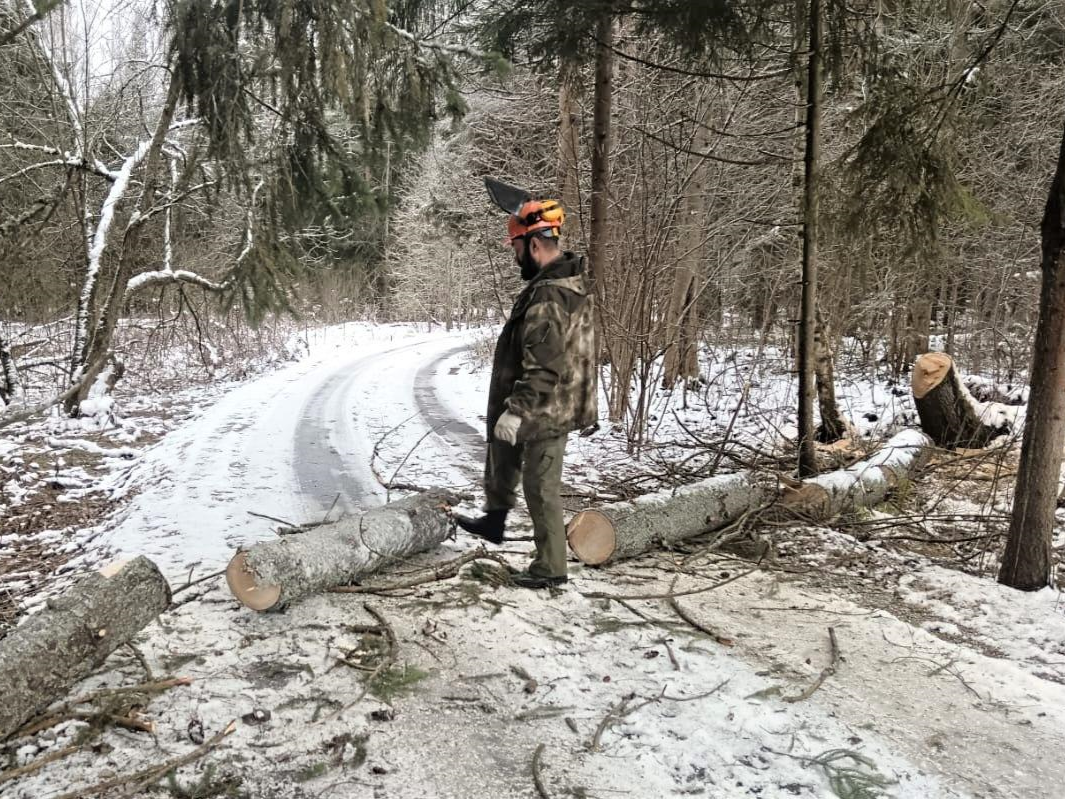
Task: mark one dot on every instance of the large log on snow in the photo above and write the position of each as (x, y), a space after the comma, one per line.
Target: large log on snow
(949, 413)
(41, 660)
(860, 485)
(625, 529)
(273, 573)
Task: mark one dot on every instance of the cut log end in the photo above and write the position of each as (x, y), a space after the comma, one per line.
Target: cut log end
(592, 537)
(807, 500)
(245, 585)
(929, 371)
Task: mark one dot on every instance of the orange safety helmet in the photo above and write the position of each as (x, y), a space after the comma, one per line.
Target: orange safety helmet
(535, 216)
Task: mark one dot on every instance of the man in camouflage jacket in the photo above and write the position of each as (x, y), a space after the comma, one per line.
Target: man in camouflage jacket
(543, 385)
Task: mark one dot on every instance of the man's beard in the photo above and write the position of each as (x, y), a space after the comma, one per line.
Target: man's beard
(529, 267)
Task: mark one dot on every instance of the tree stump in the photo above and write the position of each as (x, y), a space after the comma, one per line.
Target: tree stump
(41, 660)
(949, 414)
(626, 529)
(273, 573)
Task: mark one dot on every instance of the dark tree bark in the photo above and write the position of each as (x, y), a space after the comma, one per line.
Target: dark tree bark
(833, 426)
(807, 321)
(43, 659)
(1026, 563)
(569, 143)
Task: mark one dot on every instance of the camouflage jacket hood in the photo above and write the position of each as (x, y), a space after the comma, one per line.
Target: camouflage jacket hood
(544, 368)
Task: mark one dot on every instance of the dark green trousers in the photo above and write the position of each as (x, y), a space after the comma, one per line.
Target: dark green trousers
(539, 464)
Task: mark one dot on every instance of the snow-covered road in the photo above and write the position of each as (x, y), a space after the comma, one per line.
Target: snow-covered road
(297, 444)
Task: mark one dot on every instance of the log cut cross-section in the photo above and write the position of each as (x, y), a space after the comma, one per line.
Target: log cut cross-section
(272, 573)
(949, 413)
(625, 529)
(41, 660)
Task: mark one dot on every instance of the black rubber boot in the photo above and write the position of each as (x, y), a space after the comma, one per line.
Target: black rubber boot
(490, 527)
(536, 582)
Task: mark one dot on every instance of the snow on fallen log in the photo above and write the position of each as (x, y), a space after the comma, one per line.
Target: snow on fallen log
(41, 660)
(949, 414)
(625, 529)
(273, 573)
(861, 485)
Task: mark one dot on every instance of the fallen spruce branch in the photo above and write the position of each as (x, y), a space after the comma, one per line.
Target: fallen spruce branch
(826, 672)
(858, 781)
(131, 784)
(384, 629)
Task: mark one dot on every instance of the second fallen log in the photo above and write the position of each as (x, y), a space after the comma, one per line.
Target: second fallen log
(273, 573)
(625, 529)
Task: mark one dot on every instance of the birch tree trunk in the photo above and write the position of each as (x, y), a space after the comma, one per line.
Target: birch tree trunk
(11, 386)
(1027, 561)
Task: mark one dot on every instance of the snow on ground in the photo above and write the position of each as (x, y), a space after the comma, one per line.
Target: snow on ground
(1023, 627)
(947, 685)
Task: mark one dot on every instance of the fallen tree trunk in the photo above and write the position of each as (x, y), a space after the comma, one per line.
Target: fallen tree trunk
(42, 659)
(949, 414)
(625, 529)
(273, 573)
(862, 485)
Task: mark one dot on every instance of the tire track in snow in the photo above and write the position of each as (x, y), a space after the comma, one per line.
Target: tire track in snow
(467, 440)
(332, 450)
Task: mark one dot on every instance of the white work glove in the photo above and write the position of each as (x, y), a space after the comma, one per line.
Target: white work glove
(507, 427)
